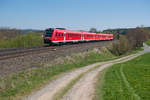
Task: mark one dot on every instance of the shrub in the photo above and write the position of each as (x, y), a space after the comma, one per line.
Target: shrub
(27, 40)
(120, 47)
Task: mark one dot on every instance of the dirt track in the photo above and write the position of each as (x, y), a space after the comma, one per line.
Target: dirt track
(83, 89)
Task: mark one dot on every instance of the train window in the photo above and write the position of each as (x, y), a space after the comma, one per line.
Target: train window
(59, 34)
(56, 34)
(62, 34)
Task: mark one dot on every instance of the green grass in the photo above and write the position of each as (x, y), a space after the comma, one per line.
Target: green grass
(28, 40)
(148, 42)
(126, 81)
(18, 85)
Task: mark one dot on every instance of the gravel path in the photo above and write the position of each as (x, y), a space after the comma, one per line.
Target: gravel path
(53, 87)
(83, 88)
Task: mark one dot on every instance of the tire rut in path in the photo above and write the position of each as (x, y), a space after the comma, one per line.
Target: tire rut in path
(49, 91)
(84, 88)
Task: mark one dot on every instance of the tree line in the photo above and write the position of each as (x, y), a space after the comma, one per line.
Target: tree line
(128, 39)
(7, 33)
(133, 39)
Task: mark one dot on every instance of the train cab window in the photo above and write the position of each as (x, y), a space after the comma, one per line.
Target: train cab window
(49, 32)
(59, 34)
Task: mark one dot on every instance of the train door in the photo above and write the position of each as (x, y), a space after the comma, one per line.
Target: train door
(60, 36)
(82, 36)
(64, 36)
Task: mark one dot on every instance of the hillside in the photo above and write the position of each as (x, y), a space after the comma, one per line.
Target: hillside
(31, 30)
(122, 31)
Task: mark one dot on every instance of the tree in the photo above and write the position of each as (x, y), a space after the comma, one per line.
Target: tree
(120, 47)
(93, 30)
(6, 33)
(136, 37)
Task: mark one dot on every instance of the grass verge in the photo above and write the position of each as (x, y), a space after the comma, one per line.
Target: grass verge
(98, 85)
(126, 81)
(15, 86)
(148, 42)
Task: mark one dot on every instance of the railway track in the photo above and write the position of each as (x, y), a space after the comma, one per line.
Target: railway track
(19, 52)
(18, 60)
(14, 53)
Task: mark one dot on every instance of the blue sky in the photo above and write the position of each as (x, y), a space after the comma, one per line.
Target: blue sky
(74, 14)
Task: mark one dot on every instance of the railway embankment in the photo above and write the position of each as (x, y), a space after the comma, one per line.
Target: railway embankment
(16, 85)
(39, 57)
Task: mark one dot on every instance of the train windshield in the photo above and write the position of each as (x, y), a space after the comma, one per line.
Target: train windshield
(49, 32)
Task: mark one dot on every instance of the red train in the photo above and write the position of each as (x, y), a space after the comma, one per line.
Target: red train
(58, 36)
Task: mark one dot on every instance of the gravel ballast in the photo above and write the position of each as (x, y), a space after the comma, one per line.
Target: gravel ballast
(19, 64)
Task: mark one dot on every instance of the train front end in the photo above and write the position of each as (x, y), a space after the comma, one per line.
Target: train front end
(47, 36)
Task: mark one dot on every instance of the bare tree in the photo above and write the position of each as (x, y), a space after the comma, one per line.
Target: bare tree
(120, 47)
(93, 30)
(136, 37)
(7, 33)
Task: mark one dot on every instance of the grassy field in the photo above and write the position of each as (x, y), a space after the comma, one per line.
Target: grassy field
(126, 81)
(148, 42)
(29, 40)
(23, 83)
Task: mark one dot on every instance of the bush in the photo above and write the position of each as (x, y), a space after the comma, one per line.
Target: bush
(133, 40)
(148, 42)
(27, 40)
(120, 47)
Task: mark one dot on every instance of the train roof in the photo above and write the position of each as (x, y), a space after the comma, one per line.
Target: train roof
(64, 30)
